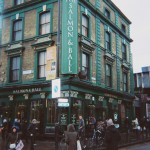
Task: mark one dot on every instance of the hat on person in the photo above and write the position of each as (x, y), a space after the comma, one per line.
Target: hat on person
(110, 122)
(34, 121)
(14, 127)
(5, 120)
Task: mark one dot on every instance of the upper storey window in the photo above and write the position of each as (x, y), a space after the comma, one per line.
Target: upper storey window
(124, 52)
(17, 30)
(44, 23)
(18, 2)
(42, 64)
(107, 41)
(107, 13)
(123, 28)
(14, 69)
(108, 75)
(85, 25)
(85, 64)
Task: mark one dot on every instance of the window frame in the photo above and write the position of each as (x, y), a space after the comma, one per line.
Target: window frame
(125, 84)
(44, 64)
(123, 28)
(84, 27)
(108, 76)
(87, 64)
(11, 70)
(107, 42)
(124, 51)
(107, 13)
(49, 7)
(18, 2)
(20, 30)
(40, 15)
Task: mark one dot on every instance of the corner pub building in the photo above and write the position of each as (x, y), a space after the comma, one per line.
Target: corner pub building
(94, 60)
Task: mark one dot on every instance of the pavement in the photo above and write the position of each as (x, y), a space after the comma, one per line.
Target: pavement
(49, 144)
(40, 145)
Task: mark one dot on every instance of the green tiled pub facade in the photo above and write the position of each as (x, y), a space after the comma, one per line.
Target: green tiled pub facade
(95, 62)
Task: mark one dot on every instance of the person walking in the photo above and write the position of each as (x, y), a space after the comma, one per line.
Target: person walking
(112, 136)
(81, 126)
(71, 137)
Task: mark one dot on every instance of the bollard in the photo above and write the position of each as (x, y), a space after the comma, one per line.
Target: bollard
(32, 142)
(56, 135)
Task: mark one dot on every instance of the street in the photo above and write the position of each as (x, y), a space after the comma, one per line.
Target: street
(143, 146)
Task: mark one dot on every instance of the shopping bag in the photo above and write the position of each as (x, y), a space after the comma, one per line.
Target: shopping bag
(79, 145)
(20, 145)
(12, 146)
(63, 145)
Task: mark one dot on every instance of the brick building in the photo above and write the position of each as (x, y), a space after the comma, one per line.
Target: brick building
(95, 61)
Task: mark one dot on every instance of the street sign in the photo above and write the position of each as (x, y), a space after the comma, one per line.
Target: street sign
(62, 100)
(63, 104)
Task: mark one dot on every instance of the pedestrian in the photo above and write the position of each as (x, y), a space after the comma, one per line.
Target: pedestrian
(17, 124)
(4, 129)
(13, 139)
(112, 136)
(71, 137)
(32, 130)
(127, 128)
(92, 125)
(81, 126)
(4, 133)
(136, 127)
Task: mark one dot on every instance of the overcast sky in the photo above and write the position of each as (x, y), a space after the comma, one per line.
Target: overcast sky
(138, 13)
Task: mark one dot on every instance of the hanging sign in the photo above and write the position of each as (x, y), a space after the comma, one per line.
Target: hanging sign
(69, 37)
(56, 88)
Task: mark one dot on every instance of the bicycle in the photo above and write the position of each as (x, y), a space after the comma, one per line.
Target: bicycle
(97, 139)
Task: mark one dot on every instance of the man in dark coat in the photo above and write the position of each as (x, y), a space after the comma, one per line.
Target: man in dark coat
(33, 129)
(112, 136)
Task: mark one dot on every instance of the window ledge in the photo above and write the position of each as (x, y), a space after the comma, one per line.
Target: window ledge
(125, 66)
(86, 45)
(109, 57)
(15, 47)
(42, 41)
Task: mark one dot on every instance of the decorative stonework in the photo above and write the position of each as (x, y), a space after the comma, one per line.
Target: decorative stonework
(100, 98)
(42, 95)
(119, 101)
(111, 100)
(88, 96)
(26, 96)
(11, 97)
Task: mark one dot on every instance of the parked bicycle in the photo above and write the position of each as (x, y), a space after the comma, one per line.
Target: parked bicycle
(97, 139)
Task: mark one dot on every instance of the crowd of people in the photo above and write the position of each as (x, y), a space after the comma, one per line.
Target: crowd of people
(109, 132)
(12, 134)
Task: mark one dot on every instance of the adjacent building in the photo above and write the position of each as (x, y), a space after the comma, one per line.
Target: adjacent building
(142, 92)
(93, 61)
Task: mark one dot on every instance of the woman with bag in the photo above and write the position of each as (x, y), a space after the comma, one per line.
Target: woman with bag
(71, 137)
(13, 139)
